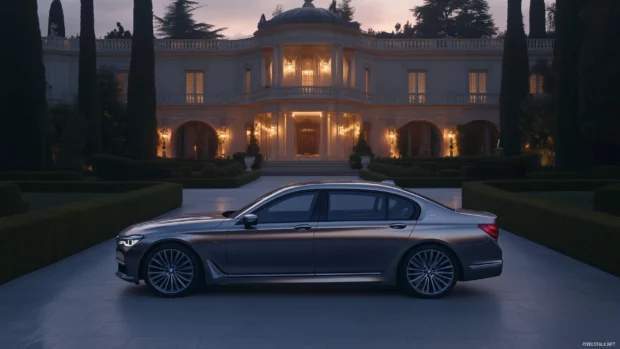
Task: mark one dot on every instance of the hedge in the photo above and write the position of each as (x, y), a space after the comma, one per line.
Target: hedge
(414, 182)
(230, 182)
(41, 176)
(11, 200)
(34, 240)
(606, 199)
(589, 236)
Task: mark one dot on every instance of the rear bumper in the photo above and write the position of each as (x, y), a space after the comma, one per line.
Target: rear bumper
(483, 270)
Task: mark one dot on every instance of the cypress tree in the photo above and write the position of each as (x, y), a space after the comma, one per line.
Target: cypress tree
(538, 27)
(56, 20)
(514, 82)
(142, 135)
(568, 41)
(23, 100)
(88, 95)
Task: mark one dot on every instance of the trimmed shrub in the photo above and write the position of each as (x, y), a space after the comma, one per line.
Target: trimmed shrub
(494, 172)
(11, 200)
(606, 199)
(34, 240)
(110, 167)
(355, 160)
(450, 173)
(589, 236)
(555, 175)
(221, 182)
(606, 172)
(41, 176)
(212, 171)
(398, 171)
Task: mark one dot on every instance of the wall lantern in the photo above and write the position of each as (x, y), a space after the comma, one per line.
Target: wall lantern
(451, 139)
(223, 133)
(392, 135)
(165, 134)
(341, 130)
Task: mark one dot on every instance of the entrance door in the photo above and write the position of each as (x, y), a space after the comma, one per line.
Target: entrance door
(308, 138)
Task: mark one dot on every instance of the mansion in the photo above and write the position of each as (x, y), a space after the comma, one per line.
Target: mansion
(310, 83)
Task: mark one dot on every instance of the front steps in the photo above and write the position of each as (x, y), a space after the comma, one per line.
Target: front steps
(306, 168)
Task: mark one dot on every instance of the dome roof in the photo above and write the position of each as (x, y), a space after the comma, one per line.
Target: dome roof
(307, 14)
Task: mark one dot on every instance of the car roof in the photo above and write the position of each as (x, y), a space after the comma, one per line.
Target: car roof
(348, 183)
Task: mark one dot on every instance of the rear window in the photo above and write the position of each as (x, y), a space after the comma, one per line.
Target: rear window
(431, 200)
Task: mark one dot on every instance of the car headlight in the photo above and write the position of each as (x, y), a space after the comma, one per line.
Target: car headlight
(130, 240)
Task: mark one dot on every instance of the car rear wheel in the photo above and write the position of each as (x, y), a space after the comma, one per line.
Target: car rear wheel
(172, 270)
(428, 272)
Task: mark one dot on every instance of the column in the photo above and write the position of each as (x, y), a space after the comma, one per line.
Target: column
(274, 66)
(340, 64)
(290, 137)
(280, 65)
(324, 135)
(334, 59)
(263, 68)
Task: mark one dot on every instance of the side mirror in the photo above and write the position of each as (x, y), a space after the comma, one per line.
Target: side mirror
(250, 220)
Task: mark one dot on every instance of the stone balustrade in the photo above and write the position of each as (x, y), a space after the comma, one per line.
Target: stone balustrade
(169, 45)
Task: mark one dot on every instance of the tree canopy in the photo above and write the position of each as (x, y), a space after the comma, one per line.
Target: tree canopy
(538, 23)
(342, 9)
(178, 22)
(56, 20)
(467, 19)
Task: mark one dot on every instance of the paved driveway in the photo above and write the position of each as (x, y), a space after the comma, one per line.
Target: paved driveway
(543, 300)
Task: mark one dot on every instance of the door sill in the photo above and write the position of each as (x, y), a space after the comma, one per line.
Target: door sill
(220, 277)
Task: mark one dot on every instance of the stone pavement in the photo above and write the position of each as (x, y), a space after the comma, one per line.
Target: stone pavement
(542, 300)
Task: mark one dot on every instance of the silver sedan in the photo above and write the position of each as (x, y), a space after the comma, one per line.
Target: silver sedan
(316, 232)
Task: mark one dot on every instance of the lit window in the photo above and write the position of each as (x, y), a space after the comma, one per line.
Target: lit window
(417, 87)
(194, 87)
(248, 80)
(367, 80)
(477, 86)
(121, 86)
(536, 84)
(307, 72)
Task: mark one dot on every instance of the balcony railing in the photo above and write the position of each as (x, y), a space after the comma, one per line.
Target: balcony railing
(327, 92)
(169, 45)
(449, 44)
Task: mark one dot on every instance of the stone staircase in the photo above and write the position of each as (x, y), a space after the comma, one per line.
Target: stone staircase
(306, 168)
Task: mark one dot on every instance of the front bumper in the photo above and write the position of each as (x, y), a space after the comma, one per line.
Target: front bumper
(128, 262)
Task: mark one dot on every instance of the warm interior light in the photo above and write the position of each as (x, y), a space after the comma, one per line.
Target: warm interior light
(341, 130)
(450, 135)
(248, 132)
(307, 72)
(272, 130)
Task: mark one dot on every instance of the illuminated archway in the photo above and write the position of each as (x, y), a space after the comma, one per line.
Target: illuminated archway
(419, 138)
(195, 140)
(478, 137)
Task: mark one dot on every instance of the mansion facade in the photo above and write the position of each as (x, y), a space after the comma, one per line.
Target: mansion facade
(310, 84)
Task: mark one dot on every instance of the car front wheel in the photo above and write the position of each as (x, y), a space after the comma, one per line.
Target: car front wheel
(428, 272)
(172, 270)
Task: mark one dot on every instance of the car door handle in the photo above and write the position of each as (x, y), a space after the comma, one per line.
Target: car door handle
(398, 225)
(303, 227)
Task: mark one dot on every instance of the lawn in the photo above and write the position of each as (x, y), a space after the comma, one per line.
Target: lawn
(39, 201)
(581, 199)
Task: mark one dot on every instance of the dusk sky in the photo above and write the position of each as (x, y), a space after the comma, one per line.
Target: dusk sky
(241, 16)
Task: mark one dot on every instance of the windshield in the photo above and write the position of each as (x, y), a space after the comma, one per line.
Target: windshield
(235, 213)
(431, 200)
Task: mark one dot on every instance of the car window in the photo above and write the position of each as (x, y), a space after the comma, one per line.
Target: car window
(292, 208)
(400, 208)
(356, 206)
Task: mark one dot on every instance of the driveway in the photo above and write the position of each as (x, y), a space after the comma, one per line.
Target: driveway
(542, 300)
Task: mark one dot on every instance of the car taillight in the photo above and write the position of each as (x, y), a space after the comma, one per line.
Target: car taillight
(490, 229)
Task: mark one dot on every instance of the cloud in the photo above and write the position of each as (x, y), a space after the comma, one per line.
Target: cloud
(241, 16)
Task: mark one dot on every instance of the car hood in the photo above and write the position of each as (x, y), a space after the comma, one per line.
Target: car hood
(185, 223)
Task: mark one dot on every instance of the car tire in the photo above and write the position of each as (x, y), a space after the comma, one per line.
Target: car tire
(428, 271)
(172, 270)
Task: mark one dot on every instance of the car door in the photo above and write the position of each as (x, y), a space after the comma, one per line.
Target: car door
(362, 231)
(281, 242)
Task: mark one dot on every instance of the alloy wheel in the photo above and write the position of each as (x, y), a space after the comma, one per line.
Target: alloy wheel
(170, 271)
(430, 272)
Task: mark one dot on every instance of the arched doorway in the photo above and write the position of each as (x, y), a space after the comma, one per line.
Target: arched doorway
(419, 138)
(477, 137)
(195, 140)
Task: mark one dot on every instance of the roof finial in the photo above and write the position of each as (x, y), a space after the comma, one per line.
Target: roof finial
(308, 3)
